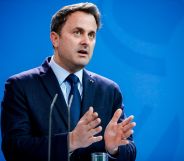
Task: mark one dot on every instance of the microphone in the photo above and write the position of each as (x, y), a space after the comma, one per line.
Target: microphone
(69, 106)
(50, 125)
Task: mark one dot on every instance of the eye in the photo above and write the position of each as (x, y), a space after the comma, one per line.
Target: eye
(77, 33)
(92, 35)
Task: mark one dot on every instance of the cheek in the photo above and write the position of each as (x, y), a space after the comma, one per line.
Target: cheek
(92, 47)
(66, 46)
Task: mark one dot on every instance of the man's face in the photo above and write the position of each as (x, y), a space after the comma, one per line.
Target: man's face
(74, 47)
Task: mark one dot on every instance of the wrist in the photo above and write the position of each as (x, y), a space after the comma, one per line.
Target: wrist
(112, 151)
(72, 144)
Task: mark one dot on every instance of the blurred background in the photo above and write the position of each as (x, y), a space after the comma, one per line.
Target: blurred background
(140, 46)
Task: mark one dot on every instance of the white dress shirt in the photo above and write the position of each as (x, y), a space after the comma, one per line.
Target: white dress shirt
(61, 75)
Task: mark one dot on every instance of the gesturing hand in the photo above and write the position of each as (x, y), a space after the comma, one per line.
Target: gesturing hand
(83, 134)
(116, 134)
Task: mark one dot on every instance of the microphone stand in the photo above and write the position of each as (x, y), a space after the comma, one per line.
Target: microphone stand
(69, 106)
(50, 126)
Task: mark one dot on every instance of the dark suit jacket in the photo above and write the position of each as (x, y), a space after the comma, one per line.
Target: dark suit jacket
(25, 116)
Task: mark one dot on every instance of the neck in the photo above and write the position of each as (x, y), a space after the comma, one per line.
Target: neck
(70, 68)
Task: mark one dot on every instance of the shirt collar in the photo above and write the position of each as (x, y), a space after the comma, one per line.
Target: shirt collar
(61, 73)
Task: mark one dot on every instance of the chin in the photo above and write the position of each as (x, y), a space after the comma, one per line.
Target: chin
(81, 65)
(83, 62)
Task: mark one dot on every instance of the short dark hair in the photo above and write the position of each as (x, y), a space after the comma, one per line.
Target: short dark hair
(60, 17)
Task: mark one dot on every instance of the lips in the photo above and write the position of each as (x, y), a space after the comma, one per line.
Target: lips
(83, 52)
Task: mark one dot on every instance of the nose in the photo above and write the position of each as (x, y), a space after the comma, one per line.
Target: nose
(85, 40)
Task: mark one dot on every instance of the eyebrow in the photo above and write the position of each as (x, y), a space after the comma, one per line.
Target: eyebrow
(81, 29)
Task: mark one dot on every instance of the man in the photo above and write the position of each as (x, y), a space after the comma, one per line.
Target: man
(96, 124)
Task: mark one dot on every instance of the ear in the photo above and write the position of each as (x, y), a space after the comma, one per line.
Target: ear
(54, 39)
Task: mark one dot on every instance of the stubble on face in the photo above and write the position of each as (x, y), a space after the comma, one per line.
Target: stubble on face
(76, 42)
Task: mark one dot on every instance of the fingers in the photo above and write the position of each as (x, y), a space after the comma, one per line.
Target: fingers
(127, 124)
(127, 120)
(89, 116)
(127, 127)
(94, 123)
(95, 131)
(95, 139)
(116, 116)
(86, 130)
(126, 134)
(124, 142)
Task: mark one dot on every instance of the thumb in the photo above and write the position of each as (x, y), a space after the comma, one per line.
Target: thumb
(116, 115)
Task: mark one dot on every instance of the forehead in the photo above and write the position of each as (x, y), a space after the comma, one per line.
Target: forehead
(82, 20)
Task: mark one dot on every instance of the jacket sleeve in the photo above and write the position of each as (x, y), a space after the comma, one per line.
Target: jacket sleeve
(18, 140)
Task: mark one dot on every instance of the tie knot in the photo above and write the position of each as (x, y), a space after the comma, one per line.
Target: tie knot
(72, 79)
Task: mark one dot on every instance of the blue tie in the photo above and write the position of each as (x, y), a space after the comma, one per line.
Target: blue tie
(76, 101)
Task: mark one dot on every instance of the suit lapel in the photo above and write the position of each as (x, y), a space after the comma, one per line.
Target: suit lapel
(52, 86)
(88, 91)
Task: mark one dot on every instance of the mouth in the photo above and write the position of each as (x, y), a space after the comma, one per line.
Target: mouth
(83, 52)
